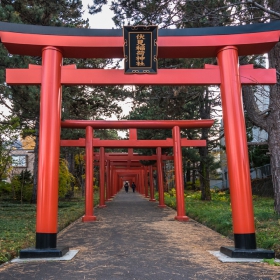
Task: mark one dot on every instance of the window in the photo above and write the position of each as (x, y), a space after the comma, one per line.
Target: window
(19, 161)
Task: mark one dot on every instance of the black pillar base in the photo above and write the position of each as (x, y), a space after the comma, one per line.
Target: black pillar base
(247, 253)
(43, 253)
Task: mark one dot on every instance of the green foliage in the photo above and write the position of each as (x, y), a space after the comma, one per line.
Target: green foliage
(172, 192)
(65, 178)
(22, 186)
(8, 135)
(258, 155)
(271, 262)
(5, 190)
(190, 185)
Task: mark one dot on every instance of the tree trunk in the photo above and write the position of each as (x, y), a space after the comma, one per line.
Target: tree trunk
(188, 173)
(269, 122)
(193, 176)
(204, 174)
(35, 166)
(273, 126)
(71, 167)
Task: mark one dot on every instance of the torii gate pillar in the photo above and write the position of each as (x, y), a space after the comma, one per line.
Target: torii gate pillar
(160, 179)
(146, 181)
(237, 153)
(48, 164)
(151, 180)
(89, 217)
(180, 199)
(102, 178)
(108, 183)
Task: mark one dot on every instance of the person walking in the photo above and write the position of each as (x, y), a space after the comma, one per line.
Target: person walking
(133, 186)
(126, 186)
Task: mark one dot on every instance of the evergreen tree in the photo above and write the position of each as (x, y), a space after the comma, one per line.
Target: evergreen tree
(78, 102)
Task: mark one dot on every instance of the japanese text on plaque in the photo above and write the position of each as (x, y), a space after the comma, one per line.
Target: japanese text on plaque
(140, 49)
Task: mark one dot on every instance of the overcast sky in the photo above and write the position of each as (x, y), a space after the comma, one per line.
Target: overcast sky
(102, 20)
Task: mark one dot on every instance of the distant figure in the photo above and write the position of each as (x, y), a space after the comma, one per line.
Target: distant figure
(133, 186)
(126, 186)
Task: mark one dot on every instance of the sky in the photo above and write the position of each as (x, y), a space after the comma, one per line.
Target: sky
(102, 20)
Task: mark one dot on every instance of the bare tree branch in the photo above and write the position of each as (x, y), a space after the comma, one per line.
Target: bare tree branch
(255, 115)
(263, 8)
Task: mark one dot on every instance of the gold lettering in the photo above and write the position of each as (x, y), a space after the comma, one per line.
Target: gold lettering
(140, 36)
(140, 49)
(140, 53)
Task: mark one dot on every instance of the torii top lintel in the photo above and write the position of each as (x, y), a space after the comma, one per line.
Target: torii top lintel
(25, 39)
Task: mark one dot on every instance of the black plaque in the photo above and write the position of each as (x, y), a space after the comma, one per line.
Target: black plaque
(140, 49)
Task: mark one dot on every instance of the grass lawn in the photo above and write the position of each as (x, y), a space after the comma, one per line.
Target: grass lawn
(17, 224)
(216, 214)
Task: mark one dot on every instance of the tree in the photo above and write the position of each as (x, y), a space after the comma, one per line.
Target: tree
(23, 101)
(78, 102)
(65, 179)
(268, 119)
(8, 135)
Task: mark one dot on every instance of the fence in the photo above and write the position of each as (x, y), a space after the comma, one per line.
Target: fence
(256, 173)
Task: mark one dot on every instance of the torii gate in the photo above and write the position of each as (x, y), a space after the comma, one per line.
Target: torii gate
(225, 43)
(112, 159)
(129, 160)
(176, 142)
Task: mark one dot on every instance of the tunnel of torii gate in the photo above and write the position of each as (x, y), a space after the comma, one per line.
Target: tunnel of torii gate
(113, 182)
(224, 43)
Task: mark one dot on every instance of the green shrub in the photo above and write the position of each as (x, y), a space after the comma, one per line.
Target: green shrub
(65, 178)
(22, 186)
(5, 189)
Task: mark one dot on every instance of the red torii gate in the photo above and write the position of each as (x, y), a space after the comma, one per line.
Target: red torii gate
(176, 142)
(119, 160)
(111, 160)
(225, 43)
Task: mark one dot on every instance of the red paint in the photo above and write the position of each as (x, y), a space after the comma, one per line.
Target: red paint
(236, 142)
(133, 143)
(180, 199)
(146, 181)
(160, 179)
(171, 77)
(126, 124)
(102, 178)
(151, 181)
(111, 181)
(108, 181)
(49, 146)
(112, 47)
(89, 217)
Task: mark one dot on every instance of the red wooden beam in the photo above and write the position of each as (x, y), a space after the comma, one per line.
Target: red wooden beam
(137, 158)
(184, 43)
(145, 124)
(208, 76)
(133, 143)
